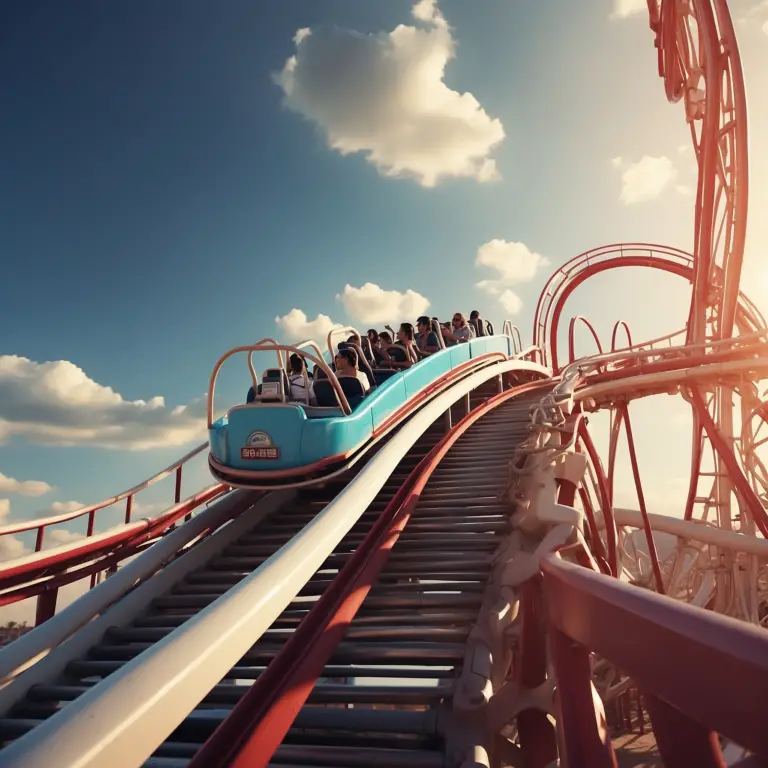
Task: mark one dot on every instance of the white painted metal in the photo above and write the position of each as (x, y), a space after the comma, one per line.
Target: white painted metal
(42, 654)
(755, 368)
(693, 531)
(124, 718)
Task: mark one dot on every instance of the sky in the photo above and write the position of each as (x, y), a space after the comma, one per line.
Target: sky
(180, 178)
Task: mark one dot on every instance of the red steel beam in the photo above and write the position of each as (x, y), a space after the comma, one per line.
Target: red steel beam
(711, 667)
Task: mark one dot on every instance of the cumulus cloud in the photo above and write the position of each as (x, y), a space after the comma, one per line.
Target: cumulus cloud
(56, 403)
(23, 487)
(644, 180)
(371, 304)
(513, 263)
(510, 302)
(62, 507)
(383, 95)
(12, 547)
(57, 537)
(625, 8)
(296, 326)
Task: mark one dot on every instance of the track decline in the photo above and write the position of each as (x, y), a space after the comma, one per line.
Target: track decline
(419, 612)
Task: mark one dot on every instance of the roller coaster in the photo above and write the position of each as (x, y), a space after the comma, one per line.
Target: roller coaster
(435, 575)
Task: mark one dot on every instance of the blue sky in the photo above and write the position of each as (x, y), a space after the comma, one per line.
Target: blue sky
(166, 196)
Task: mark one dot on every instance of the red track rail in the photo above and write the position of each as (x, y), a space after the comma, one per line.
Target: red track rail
(257, 725)
(43, 576)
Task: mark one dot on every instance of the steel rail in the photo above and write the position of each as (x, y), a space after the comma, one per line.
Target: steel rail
(68, 555)
(39, 642)
(126, 716)
(256, 726)
(692, 531)
(44, 522)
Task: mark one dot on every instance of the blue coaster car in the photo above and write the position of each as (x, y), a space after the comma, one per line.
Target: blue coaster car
(274, 440)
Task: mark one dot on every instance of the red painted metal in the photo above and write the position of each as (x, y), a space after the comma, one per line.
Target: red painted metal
(46, 606)
(582, 733)
(714, 664)
(606, 501)
(572, 336)
(641, 501)
(615, 332)
(256, 726)
(15, 574)
(40, 525)
(683, 742)
(538, 738)
(725, 451)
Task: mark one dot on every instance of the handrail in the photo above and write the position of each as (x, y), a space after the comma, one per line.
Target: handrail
(312, 344)
(720, 653)
(127, 715)
(341, 398)
(347, 329)
(507, 329)
(36, 644)
(68, 555)
(41, 523)
(569, 373)
(281, 364)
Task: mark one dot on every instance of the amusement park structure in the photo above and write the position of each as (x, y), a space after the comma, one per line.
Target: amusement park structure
(434, 574)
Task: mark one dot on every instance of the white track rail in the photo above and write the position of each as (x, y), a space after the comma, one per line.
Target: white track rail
(125, 717)
(44, 652)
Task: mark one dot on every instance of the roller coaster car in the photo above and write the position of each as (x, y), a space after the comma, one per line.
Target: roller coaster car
(274, 441)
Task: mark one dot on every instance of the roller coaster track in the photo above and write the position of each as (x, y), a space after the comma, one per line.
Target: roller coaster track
(469, 596)
(454, 530)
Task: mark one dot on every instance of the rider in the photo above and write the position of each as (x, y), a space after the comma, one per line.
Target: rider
(346, 365)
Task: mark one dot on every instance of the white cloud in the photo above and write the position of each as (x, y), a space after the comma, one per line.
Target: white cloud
(296, 326)
(371, 304)
(624, 8)
(12, 547)
(428, 12)
(645, 179)
(383, 95)
(62, 507)
(765, 27)
(513, 263)
(58, 537)
(510, 302)
(23, 487)
(5, 508)
(56, 403)
(684, 189)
